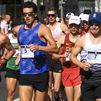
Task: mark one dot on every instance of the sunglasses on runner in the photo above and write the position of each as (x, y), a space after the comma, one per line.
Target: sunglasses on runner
(28, 14)
(91, 23)
(52, 15)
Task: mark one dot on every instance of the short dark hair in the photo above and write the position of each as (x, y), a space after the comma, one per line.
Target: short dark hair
(30, 4)
(52, 9)
(87, 11)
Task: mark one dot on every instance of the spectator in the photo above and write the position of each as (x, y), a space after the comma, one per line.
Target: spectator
(5, 24)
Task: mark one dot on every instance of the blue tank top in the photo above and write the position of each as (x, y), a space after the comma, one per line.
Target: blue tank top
(37, 64)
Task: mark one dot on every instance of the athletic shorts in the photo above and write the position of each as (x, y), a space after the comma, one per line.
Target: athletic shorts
(12, 73)
(91, 91)
(37, 81)
(71, 77)
(54, 65)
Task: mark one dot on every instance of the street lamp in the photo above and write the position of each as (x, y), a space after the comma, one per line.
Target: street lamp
(97, 5)
(61, 2)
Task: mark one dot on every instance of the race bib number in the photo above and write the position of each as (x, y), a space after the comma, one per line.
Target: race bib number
(68, 56)
(26, 52)
(94, 57)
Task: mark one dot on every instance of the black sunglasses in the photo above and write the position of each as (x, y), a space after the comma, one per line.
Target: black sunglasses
(96, 24)
(28, 14)
(91, 23)
(52, 15)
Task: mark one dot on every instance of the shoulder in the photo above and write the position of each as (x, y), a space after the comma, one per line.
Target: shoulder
(64, 27)
(62, 24)
(16, 29)
(81, 40)
(43, 28)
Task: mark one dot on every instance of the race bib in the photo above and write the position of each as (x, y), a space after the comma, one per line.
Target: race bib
(68, 56)
(26, 52)
(94, 57)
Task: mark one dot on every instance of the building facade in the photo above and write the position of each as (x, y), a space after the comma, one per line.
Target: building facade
(13, 7)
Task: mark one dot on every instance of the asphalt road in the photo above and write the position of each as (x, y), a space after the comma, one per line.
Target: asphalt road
(3, 91)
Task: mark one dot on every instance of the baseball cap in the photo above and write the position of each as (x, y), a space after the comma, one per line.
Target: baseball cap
(95, 17)
(84, 17)
(68, 15)
(57, 19)
(74, 20)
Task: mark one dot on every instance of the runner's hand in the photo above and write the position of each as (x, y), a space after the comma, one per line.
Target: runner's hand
(2, 62)
(85, 66)
(17, 59)
(33, 47)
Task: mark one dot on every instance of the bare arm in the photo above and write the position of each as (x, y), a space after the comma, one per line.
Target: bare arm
(2, 30)
(46, 36)
(8, 47)
(15, 30)
(75, 51)
(18, 55)
(64, 28)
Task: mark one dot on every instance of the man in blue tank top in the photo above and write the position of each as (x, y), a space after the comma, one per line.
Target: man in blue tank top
(33, 38)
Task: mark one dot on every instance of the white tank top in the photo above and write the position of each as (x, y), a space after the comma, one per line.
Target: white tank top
(12, 40)
(89, 46)
(92, 54)
(57, 32)
(14, 43)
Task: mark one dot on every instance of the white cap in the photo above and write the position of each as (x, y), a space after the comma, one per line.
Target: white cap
(68, 15)
(57, 19)
(74, 20)
(84, 17)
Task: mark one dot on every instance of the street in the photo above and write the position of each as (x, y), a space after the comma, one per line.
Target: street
(3, 91)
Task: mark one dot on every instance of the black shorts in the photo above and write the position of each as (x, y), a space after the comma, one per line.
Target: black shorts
(91, 91)
(12, 73)
(54, 65)
(37, 81)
